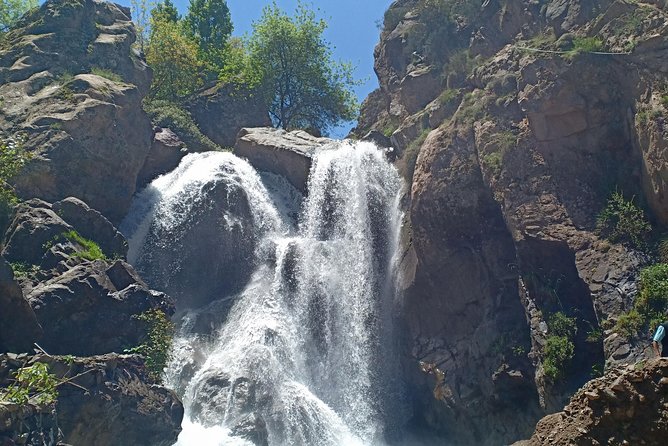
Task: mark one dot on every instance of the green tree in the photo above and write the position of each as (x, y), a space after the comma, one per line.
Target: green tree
(292, 63)
(141, 13)
(210, 24)
(12, 10)
(173, 58)
(165, 12)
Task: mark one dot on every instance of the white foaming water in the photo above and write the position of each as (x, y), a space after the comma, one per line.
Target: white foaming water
(301, 358)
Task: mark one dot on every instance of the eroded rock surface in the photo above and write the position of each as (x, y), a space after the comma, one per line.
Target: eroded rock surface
(71, 83)
(284, 153)
(510, 156)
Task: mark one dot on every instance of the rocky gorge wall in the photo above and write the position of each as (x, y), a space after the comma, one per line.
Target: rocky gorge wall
(512, 137)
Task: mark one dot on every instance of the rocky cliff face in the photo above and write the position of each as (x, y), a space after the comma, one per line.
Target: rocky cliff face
(512, 131)
(71, 83)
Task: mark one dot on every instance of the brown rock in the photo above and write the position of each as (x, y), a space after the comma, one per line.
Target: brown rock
(285, 153)
(87, 131)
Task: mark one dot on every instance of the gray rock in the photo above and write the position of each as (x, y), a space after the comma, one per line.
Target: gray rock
(221, 111)
(18, 324)
(87, 131)
(285, 153)
(91, 309)
(166, 153)
(92, 225)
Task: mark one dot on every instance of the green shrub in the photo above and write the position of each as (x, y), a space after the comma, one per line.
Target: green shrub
(107, 74)
(651, 305)
(157, 346)
(91, 250)
(561, 325)
(621, 221)
(33, 383)
(13, 157)
(23, 270)
(559, 351)
(173, 116)
(585, 45)
(448, 96)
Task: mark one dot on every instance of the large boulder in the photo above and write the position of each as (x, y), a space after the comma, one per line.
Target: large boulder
(284, 153)
(71, 83)
(92, 225)
(221, 111)
(85, 302)
(92, 309)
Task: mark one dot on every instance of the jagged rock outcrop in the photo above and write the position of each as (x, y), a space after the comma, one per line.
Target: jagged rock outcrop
(626, 406)
(510, 157)
(70, 82)
(19, 328)
(100, 400)
(284, 153)
(222, 111)
(167, 151)
(85, 303)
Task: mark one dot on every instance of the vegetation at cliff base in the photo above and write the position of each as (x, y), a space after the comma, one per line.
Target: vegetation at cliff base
(157, 345)
(89, 250)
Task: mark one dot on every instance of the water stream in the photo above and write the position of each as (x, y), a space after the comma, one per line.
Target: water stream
(300, 352)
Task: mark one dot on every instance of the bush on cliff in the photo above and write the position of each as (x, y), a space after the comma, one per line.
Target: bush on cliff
(13, 157)
(621, 221)
(157, 345)
(651, 305)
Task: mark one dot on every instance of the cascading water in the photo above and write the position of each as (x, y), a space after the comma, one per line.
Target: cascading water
(301, 357)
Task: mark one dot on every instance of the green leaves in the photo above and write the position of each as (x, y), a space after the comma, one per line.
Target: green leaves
(33, 383)
(156, 347)
(292, 63)
(173, 58)
(624, 222)
(210, 24)
(12, 10)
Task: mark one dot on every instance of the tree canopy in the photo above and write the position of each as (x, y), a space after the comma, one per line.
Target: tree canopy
(12, 10)
(173, 57)
(293, 67)
(210, 24)
(165, 11)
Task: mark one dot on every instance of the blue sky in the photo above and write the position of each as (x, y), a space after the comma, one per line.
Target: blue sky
(352, 31)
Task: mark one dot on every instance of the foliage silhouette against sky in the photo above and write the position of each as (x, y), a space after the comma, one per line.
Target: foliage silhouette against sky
(352, 32)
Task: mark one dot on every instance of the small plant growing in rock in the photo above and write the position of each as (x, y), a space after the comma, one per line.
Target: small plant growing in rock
(90, 249)
(621, 221)
(107, 74)
(32, 383)
(24, 270)
(585, 45)
(651, 304)
(559, 348)
(158, 343)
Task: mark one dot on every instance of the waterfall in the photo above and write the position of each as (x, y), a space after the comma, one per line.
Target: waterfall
(298, 353)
